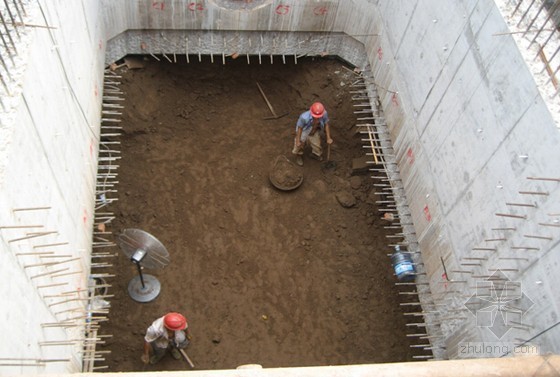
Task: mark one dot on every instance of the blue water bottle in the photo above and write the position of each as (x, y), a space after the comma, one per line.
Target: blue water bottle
(403, 265)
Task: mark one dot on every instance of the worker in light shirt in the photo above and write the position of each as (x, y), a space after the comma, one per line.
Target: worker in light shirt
(170, 332)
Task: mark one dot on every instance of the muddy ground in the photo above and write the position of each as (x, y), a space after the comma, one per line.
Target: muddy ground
(281, 279)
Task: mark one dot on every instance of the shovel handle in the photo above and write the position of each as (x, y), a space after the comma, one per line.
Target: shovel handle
(267, 102)
(186, 357)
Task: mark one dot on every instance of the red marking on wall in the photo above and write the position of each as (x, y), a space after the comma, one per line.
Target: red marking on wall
(85, 216)
(380, 53)
(195, 7)
(282, 9)
(320, 11)
(158, 5)
(143, 45)
(427, 214)
(100, 44)
(395, 99)
(410, 156)
(445, 279)
(91, 148)
(96, 90)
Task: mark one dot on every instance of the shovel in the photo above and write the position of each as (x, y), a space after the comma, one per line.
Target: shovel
(274, 115)
(187, 358)
(329, 165)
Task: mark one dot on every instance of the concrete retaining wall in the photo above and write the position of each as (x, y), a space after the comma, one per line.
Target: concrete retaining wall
(48, 164)
(474, 122)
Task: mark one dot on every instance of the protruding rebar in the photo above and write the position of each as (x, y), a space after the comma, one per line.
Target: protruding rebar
(29, 236)
(20, 226)
(522, 205)
(526, 12)
(510, 215)
(535, 18)
(8, 34)
(544, 193)
(18, 11)
(14, 23)
(30, 209)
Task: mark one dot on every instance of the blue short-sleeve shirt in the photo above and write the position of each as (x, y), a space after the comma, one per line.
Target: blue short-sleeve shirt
(305, 122)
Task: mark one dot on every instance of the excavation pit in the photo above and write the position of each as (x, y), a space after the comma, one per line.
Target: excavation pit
(463, 101)
(263, 277)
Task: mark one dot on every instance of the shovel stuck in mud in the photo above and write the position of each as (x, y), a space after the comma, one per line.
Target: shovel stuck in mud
(329, 165)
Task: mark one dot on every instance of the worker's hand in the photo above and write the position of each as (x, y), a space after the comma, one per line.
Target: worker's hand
(189, 337)
(330, 141)
(298, 143)
(145, 359)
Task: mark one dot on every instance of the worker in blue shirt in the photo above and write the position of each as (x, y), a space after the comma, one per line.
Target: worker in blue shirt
(308, 128)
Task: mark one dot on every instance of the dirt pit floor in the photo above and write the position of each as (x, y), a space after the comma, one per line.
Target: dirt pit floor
(281, 279)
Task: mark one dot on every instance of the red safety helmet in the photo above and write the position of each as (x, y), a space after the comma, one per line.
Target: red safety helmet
(317, 110)
(175, 321)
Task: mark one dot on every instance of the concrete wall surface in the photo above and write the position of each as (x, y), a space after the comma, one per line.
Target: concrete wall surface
(292, 26)
(470, 130)
(50, 133)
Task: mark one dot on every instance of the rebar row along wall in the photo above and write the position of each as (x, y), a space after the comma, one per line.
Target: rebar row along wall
(476, 147)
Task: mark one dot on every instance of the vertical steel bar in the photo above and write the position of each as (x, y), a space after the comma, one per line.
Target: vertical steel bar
(4, 84)
(550, 12)
(8, 32)
(553, 77)
(6, 47)
(4, 64)
(548, 68)
(554, 95)
(23, 8)
(526, 11)
(541, 47)
(554, 55)
(551, 58)
(516, 7)
(12, 19)
(544, 44)
(534, 19)
(18, 12)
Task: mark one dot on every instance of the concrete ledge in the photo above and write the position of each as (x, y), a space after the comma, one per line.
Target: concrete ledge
(221, 44)
(506, 367)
